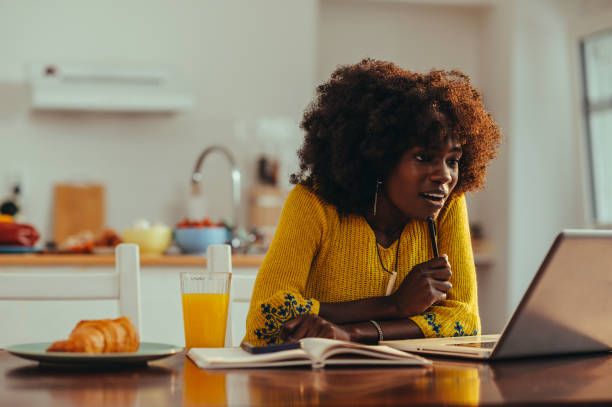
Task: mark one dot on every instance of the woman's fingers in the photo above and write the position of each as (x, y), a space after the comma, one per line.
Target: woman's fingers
(306, 324)
(320, 328)
(438, 268)
(327, 331)
(290, 326)
(441, 297)
(444, 273)
(440, 285)
(438, 262)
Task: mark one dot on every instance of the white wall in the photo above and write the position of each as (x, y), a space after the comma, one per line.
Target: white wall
(539, 184)
(243, 60)
(416, 37)
(545, 179)
(492, 204)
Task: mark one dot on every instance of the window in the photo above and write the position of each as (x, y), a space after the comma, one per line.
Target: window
(596, 53)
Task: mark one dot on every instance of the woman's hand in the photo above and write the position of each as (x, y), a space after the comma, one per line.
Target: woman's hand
(308, 325)
(425, 285)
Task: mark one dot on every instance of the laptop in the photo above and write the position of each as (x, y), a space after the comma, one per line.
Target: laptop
(566, 309)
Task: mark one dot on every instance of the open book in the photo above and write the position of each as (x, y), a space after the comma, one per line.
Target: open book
(317, 352)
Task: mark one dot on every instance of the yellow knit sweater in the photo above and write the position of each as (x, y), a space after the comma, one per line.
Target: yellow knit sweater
(316, 256)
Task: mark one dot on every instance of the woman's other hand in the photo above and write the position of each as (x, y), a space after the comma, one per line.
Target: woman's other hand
(308, 326)
(425, 285)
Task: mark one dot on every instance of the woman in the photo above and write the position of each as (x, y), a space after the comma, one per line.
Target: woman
(352, 259)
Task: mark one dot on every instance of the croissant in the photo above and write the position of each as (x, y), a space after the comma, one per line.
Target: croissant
(100, 336)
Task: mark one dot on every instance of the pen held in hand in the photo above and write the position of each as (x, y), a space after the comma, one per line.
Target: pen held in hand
(432, 235)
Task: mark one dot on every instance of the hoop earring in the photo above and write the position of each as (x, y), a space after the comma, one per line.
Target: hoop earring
(378, 184)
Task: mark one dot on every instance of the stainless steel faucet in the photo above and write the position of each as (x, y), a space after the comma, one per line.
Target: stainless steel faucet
(196, 178)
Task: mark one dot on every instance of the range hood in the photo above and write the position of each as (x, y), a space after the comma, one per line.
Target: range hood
(114, 89)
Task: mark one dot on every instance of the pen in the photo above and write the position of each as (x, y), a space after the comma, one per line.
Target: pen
(432, 235)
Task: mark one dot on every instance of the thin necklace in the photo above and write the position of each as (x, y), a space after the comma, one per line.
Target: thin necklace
(392, 275)
(396, 256)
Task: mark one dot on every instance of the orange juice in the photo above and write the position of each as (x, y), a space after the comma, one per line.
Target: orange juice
(204, 316)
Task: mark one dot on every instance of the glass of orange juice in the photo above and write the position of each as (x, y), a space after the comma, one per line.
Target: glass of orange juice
(205, 298)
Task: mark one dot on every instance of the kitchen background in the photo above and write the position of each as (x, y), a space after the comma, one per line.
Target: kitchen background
(253, 67)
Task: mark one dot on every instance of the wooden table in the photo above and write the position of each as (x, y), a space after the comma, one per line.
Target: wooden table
(176, 381)
(174, 260)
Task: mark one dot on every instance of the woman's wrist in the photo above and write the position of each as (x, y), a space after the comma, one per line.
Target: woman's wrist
(377, 308)
(392, 305)
(363, 332)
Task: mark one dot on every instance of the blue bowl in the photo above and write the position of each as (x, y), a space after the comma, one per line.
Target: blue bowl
(196, 240)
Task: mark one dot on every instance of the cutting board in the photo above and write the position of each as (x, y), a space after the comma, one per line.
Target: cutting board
(266, 205)
(77, 207)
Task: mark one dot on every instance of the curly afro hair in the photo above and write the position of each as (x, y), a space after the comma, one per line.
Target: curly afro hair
(368, 114)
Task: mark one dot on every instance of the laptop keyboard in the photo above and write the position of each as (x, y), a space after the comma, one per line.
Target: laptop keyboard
(485, 345)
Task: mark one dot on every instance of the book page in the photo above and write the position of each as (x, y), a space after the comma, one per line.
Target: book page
(237, 356)
(321, 349)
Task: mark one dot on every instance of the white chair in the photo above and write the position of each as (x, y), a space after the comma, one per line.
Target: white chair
(242, 290)
(48, 287)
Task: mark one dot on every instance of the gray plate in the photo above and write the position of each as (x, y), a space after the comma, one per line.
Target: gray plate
(147, 351)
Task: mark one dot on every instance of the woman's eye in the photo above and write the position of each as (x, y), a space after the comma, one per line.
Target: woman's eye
(420, 157)
(453, 161)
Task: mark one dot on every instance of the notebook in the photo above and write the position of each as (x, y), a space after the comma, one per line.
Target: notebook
(565, 310)
(316, 352)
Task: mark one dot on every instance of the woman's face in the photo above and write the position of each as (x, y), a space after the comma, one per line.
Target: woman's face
(423, 179)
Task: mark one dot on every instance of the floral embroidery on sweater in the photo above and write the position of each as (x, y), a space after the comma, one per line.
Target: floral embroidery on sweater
(460, 332)
(277, 316)
(430, 317)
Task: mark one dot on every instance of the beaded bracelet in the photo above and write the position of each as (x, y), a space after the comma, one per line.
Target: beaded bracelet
(378, 329)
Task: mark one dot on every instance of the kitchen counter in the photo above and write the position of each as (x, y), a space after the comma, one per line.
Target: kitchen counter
(45, 259)
(483, 257)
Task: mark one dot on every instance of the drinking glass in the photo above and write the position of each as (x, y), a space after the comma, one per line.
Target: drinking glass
(205, 298)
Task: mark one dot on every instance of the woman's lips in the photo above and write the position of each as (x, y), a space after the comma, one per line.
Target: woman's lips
(436, 203)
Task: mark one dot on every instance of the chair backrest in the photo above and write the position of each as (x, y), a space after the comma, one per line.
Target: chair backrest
(123, 284)
(242, 290)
